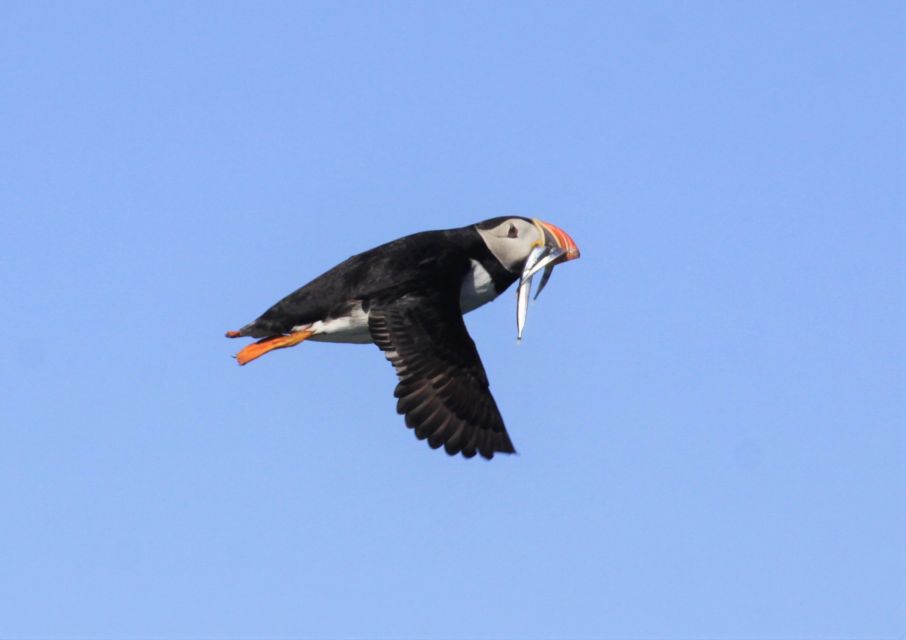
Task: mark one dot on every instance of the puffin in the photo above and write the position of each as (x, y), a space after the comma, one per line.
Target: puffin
(408, 297)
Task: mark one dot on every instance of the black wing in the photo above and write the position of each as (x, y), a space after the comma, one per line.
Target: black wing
(443, 389)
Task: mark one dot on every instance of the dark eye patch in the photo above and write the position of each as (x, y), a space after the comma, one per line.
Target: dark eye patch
(513, 232)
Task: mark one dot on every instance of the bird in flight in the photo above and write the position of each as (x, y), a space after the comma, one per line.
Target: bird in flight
(408, 297)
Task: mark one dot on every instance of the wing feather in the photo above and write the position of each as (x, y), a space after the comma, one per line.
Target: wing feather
(443, 389)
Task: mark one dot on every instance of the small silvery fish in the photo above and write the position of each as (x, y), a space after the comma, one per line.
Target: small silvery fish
(537, 256)
(522, 300)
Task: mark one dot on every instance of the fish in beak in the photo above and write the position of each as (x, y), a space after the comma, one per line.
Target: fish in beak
(555, 248)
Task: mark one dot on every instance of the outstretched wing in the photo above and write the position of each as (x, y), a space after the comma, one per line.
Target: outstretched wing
(443, 389)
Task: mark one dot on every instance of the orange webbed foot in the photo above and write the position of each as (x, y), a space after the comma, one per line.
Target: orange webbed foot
(258, 349)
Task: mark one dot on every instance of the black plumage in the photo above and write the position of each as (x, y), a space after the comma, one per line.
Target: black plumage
(443, 389)
(429, 258)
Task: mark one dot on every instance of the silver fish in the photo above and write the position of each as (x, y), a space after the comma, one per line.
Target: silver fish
(548, 257)
(548, 270)
(538, 256)
(522, 300)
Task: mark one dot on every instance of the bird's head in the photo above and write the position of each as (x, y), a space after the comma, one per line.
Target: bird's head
(526, 246)
(515, 239)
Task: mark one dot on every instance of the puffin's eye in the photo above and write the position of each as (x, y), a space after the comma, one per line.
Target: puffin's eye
(513, 232)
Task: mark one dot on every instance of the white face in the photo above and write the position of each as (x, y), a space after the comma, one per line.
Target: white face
(511, 241)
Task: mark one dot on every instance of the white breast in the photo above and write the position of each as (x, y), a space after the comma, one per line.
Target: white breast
(477, 288)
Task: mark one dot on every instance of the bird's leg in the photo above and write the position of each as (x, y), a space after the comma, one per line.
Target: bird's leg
(258, 349)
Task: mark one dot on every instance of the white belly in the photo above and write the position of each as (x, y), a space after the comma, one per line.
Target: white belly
(477, 288)
(352, 328)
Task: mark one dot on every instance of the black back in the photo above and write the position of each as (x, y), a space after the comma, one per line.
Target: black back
(420, 260)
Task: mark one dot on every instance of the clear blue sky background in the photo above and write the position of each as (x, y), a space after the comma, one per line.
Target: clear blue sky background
(709, 405)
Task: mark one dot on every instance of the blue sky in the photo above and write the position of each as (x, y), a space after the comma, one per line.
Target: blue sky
(709, 405)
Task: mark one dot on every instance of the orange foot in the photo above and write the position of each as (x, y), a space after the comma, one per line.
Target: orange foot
(258, 349)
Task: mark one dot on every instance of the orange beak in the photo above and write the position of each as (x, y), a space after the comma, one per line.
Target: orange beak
(557, 236)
